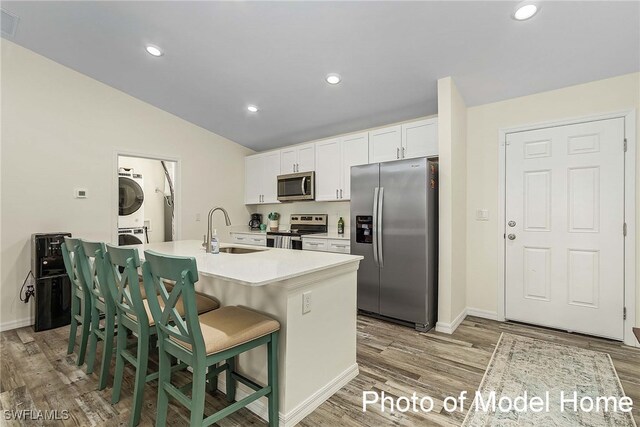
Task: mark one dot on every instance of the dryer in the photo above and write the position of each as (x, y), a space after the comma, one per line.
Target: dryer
(130, 199)
(130, 236)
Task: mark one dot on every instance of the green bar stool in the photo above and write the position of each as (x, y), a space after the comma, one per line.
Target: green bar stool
(93, 268)
(132, 312)
(80, 299)
(204, 341)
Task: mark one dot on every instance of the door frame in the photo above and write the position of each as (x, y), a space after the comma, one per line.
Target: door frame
(177, 203)
(629, 117)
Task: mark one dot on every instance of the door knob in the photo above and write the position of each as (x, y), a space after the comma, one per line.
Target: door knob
(511, 223)
(512, 237)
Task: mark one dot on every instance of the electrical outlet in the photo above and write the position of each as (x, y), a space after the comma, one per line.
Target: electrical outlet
(306, 302)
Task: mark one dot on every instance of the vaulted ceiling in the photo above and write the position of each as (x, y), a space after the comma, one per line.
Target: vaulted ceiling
(221, 56)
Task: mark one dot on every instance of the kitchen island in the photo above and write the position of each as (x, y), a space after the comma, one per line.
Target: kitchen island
(317, 354)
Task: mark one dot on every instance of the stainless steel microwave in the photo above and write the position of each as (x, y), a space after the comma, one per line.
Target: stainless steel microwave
(297, 186)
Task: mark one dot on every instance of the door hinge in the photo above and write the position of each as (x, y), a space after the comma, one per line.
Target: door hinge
(624, 313)
(625, 145)
(624, 229)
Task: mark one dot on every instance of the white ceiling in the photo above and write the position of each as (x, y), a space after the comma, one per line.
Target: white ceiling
(221, 56)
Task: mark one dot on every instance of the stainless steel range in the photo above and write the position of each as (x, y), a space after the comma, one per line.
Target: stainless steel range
(299, 225)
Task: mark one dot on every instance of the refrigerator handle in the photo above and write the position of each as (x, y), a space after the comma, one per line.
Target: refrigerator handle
(375, 226)
(379, 226)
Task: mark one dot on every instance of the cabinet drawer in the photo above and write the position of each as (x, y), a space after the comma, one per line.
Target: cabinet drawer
(249, 239)
(342, 246)
(314, 244)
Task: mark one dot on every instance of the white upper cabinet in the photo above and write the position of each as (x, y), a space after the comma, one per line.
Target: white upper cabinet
(334, 158)
(355, 151)
(407, 141)
(261, 173)
(385, 144)
(328, 171)
(419, 139)
(299, 158)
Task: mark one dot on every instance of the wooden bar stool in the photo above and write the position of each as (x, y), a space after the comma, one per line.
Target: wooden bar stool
(132, 312)
(80, 299)
(93, 268)
(205, 341)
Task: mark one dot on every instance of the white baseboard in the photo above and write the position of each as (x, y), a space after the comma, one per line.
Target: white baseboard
(448, 328)
(485, 314)
(15, 324)
(294, 416)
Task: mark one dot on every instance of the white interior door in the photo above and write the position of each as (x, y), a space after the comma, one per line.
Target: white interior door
(564, 231)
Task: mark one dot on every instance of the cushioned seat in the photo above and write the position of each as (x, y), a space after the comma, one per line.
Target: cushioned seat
(204, 304)
(231, 326)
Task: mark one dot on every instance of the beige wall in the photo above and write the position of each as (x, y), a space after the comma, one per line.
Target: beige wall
(604, 96)
(60, 131)
(452, 136)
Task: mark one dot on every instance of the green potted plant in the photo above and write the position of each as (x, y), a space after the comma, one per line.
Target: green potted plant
(273, 220)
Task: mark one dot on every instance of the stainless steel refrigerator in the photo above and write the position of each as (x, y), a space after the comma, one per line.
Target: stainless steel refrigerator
(394, 225)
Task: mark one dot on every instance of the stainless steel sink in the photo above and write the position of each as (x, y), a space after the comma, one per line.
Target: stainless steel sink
(234, 250)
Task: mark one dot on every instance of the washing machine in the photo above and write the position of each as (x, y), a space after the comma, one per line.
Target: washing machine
(130, 199)
(130, 236)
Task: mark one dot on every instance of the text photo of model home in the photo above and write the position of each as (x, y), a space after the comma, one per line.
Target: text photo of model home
(320, 213)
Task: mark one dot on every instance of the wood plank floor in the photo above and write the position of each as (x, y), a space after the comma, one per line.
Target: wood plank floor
(36, 373)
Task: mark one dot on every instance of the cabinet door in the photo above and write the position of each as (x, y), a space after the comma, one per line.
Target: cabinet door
(314, 244)
(341, 246)
(420, 139)
(252, 179)
(288, 160)
(306, 158)
(355, 151)
(385, 144)
(271, 170)
(328, 173)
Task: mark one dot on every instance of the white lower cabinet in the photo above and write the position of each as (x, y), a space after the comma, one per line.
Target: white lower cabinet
(249, 239)
(342, 246)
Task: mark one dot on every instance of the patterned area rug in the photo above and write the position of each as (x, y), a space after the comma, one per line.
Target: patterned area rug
(525, 366)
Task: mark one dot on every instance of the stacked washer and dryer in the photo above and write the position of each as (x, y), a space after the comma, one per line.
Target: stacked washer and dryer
(130, 208)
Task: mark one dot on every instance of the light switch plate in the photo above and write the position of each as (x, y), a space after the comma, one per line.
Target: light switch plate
(482, 215)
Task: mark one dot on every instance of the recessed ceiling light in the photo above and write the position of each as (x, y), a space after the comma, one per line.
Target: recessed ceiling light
(525, 11)
(252, 108)
(333, 78)
(154, 50)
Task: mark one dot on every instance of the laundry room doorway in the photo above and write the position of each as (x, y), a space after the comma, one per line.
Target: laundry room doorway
(146, 200)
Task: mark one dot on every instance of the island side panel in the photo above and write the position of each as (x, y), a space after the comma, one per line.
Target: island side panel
(321, 351)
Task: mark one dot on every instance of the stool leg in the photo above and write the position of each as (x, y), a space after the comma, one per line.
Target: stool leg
(198, 392)
(231, 382)
(93, 339)
(107, 350)
(75, 310)
(141, 375)
(86, 329)
(117, 377)
(212, 380)
(272, 356)
(164, 377)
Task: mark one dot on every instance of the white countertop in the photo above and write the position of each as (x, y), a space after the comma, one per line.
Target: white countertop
(329, 235)
(253, 269)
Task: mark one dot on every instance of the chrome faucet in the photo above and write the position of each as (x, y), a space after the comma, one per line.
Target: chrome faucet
(210, 225)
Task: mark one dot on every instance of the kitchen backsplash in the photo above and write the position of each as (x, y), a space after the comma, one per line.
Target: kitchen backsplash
(334, 210)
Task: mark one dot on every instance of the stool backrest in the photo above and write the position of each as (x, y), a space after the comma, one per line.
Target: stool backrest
(183, 271)
(124, 282)
(92, 265)
(71, 264)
